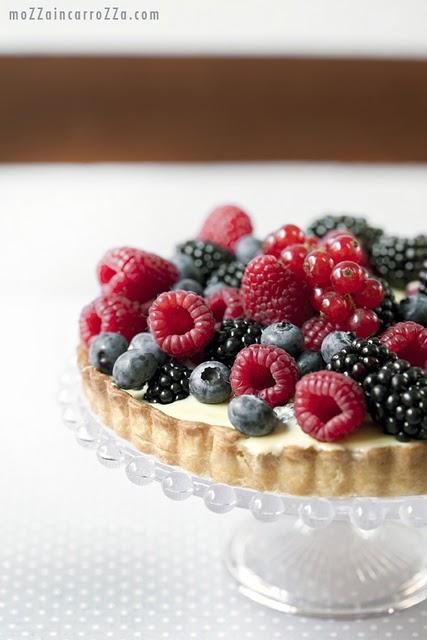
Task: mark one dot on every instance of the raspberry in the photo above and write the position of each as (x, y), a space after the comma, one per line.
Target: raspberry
(112, 313)
(225, 226)
(135, 274)
(409, 341)
(264, 371)
(272, 293)
(181, 322)
(315, 331)
(226, 303)
(284, 237)
(329, 405)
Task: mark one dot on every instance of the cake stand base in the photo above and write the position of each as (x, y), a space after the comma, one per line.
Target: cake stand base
(335, 572)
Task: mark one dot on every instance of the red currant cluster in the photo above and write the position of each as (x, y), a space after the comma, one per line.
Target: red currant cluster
(342, 289)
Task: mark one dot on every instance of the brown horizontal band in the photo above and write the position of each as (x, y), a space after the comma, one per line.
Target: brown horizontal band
(212, 109)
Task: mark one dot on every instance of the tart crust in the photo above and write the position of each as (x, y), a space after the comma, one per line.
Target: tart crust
(216, 452)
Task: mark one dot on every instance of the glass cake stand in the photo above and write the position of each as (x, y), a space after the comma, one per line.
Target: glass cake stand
(338, 557)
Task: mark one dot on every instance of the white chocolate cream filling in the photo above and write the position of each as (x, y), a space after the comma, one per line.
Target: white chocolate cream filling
(288, 434)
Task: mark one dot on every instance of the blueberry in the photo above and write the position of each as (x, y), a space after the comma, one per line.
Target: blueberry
(105, 349)
(247, 248)
(334, 342)
(145, 342)
(415, 308)
(186, 267)
(213, 288)
(133, 368)
(187, 284)
(252, 416)
(284, 335)
(210, 382)
(310, 361)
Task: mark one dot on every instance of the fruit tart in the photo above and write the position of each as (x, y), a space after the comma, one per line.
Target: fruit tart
(288, 364)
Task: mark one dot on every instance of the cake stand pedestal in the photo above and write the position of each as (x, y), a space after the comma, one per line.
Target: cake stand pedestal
(347, 557)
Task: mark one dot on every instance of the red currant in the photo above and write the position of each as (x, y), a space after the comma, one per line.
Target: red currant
(311, 242)
(318, 266)
(345, 247)
(371, 295)
(282, 238)
(364, 323)
(293, 257)
(348, 277)
(335, 307)
(317, 295)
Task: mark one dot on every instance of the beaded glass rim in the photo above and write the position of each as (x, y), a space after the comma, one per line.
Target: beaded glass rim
(314, 512)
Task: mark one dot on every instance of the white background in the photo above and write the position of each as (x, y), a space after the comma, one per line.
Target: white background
(55, 223)
(293, 27)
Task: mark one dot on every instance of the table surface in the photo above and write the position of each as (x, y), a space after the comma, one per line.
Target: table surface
(257, 27)
(83, 552)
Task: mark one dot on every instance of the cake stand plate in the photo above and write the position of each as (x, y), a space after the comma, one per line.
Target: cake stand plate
(340, 557)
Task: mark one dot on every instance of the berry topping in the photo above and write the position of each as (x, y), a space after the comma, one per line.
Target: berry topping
(252, 416)
(145, 342)
(310, 361)
(336, 307)
(388, 311)
(135, 274)
(133, 368)
(399, 259)
(397, 399)
(186, 267)
(282, 238)
(206, 256)
(229, 273)
(318, 267)
(187, 284)
(265, 371)
(344, 247)
(364, 323)
(409, 341)
(414, 308)
(181, 323)
(371, 294)
(210, 382)
(225, 303)
(328, 405)
(105, 349)
(315, 331)
(294, 257)
(169, 383)
(232, 337)
(360, 358)
(246, 248)
(272, 293)
(225, 226)
(348, 277)
(113, 314)
(284, 335)
(357, 226)
(334, 342)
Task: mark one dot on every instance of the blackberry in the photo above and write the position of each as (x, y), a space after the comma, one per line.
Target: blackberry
(229, 273)
(397, 399)
(360, 358)
(399, 260)
(422, 277)
(168, 384)
(232, 337)
(207, 256)
(357, 225)
(388, 312)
